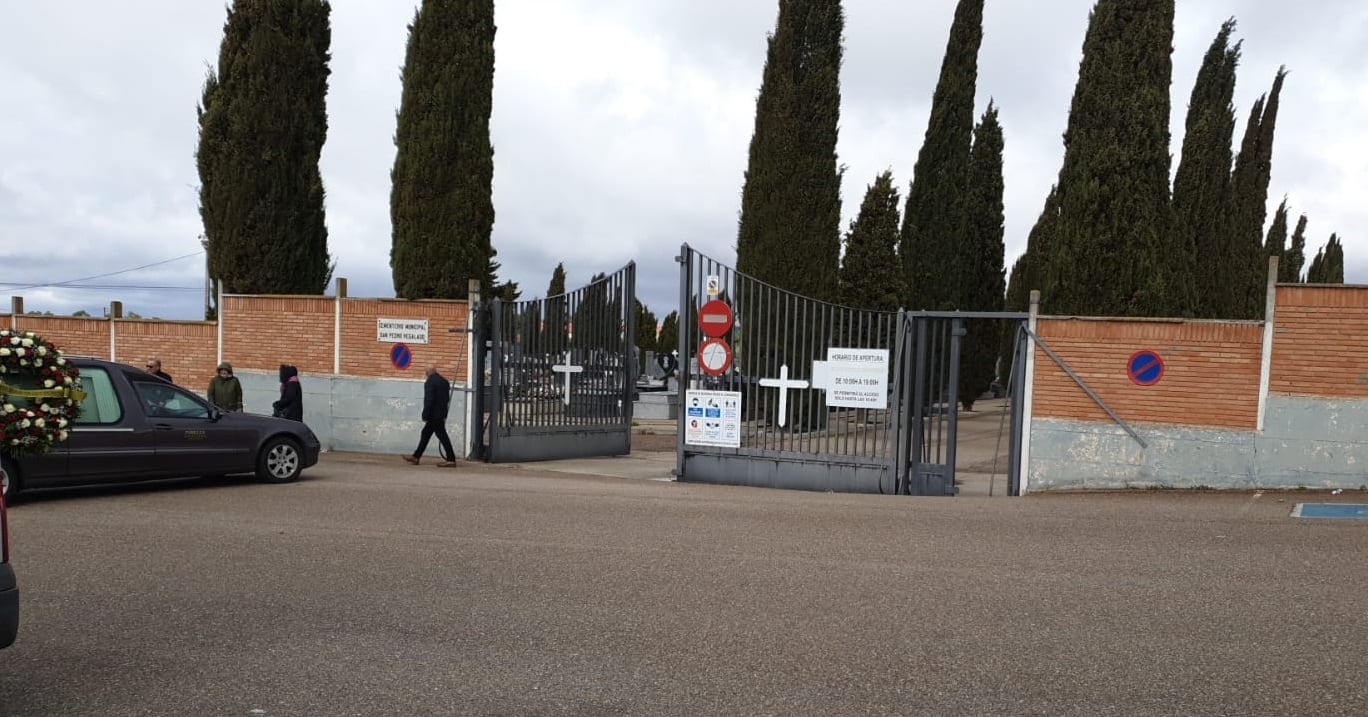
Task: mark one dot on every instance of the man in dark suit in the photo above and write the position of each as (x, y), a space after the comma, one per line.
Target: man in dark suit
(436, 402)
(154, 368)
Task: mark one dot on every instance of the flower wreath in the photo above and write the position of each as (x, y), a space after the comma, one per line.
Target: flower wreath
(51, 385)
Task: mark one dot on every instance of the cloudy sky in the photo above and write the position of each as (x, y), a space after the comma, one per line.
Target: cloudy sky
(620, 129)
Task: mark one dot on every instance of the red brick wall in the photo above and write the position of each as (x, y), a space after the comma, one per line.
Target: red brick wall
(1211, 371)
(186, 348)
(363, 355)
(262, 332)
(76, 335)
(1320, 342)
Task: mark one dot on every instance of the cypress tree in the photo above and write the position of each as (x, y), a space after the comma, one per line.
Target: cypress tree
(668, 340)
(1201, 186)
(1018, 294)
(982, 282)
(441, 199)
(1316, 274)
(1245, 257)
(1111, 251)
(935, 251)
(556, 322)
(870, 275)
(1334, 261)
(789, 233)
(1289, 269)
(262, 123)
(1276, 243)
(789, 230)
(1034, 261)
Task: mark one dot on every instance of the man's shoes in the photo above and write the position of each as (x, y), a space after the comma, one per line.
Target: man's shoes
(411, 459)
(447, 464)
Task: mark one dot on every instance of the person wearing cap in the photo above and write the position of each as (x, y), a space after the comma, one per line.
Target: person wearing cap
(225, 391)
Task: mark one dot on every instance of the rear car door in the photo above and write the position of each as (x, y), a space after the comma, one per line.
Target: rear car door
(111, 439)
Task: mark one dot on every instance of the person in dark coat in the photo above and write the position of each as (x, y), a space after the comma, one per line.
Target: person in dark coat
(436, 402)
(154, 368)
(291, 402)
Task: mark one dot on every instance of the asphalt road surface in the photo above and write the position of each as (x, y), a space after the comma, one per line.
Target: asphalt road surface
(377, 588)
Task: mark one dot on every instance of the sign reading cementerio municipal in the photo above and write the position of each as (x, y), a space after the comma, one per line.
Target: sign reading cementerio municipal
(413, 331)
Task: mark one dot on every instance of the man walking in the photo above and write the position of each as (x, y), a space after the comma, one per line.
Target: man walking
(436, 401)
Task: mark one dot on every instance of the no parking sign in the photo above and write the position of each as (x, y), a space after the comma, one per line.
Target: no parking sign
(1145, 368)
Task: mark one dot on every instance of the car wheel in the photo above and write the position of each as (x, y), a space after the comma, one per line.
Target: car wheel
(280, 461)
(9, 478)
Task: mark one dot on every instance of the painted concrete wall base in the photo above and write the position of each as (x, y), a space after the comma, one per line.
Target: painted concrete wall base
(366, 415)
(1306, 443)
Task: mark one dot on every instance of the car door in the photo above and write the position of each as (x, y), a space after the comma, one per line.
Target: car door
(111, 439)
(191, 438)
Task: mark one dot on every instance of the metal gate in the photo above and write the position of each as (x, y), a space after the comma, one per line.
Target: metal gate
(804, 394)
(561, 373)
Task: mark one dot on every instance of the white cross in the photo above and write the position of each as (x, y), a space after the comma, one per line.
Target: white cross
(567, 368)
(783, 384)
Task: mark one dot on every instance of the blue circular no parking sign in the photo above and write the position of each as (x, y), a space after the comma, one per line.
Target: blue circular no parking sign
(401, 356)
(1145, 368)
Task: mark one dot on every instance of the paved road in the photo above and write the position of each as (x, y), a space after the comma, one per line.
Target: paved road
(376, 588)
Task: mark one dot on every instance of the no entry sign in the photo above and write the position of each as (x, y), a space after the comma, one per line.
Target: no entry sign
(1145, 368)
(715, 319)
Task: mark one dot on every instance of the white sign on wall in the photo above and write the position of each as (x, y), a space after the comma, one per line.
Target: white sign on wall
(853, 378)
(410, 331)
(712, 418)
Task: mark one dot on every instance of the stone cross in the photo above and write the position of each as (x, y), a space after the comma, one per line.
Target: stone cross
(568, 369)
(783, 384)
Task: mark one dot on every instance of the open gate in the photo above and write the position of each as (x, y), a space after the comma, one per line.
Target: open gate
(804, 394)
(561, 373)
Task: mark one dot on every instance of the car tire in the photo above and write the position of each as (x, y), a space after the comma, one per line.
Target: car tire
(9, 478)
(280, 461)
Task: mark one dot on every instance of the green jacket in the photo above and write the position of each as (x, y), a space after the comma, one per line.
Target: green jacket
(226, 393)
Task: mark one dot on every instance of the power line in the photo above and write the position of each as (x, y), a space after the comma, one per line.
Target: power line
(50, 284)
(106, 287)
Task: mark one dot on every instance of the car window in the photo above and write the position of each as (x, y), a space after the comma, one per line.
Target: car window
(101, 404)
(164, 400)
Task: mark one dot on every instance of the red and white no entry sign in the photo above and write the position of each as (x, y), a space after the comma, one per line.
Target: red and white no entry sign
(715, 319)
(714, 357)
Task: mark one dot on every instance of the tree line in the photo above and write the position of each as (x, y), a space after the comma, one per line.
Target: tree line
(1115, 236)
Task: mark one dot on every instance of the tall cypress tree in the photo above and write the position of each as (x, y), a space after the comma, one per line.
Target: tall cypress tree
(1201, 185)
(1289, 269)
(1245, 254)
(789, 231)
(441, 199)
(263, 120)
(668, 340)
(935, 252)
(1111, 251)
(981, 273)
(870, 275)
(1316, 273)
(1018, 295)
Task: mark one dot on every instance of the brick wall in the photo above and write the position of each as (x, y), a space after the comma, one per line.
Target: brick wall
(1211, 371)
(1320, 342)
(363, 355)
(262, 332)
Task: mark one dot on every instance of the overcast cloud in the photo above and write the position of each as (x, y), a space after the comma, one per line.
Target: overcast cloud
(620, 129)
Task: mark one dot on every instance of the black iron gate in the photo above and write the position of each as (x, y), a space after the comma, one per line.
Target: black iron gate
(560, 373)
(799, 393)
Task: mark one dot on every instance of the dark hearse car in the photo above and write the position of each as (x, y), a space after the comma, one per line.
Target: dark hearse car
(137, 427)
